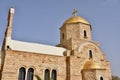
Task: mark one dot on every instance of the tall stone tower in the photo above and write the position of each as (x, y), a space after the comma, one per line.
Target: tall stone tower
(7, 37)
(74, 31)
(8, 32)
(85, 60)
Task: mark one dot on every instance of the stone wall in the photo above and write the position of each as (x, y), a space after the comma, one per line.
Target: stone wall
(89, 75)
(14, 60)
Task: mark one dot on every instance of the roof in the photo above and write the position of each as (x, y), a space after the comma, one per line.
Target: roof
(34, 47)
(76, 19)
(92, 65)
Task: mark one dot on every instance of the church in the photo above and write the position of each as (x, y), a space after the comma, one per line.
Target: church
(76, 57)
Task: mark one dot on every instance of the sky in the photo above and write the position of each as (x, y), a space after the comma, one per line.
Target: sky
(38, 21)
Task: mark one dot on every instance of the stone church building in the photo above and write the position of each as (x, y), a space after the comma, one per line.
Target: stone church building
(77, 57)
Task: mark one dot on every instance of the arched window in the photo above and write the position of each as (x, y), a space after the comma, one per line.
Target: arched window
(85, 34)
(22, 73)
(101, 78)
(47, 75)
(30, 74)
(63, 35)
(54, 75)
(90, 54)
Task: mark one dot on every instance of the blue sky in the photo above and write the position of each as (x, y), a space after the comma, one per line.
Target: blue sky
(39, 21)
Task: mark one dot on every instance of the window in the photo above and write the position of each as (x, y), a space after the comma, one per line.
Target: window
(63, 35)
(47, 75)
(101, 78)
(85, 34)
(30, 74)
(22, 73)
(54, 75)
(90, 54)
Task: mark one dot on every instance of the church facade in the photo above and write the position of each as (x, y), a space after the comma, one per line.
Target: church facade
(77, 57)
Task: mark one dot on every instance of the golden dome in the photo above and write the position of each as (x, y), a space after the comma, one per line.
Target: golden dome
(92, 65)
(76, 19)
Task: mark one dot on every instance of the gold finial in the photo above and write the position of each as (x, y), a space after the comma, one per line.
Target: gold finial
(74, 12)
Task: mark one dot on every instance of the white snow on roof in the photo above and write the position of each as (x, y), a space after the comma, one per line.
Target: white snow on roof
(34, 47)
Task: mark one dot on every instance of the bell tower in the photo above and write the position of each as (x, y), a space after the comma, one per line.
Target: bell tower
(74, 31)
(8, 32)
(10, 20)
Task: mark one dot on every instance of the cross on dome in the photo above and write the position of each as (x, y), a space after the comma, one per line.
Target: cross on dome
(74, 12)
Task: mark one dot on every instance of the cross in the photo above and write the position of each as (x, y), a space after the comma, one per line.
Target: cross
(74, 12)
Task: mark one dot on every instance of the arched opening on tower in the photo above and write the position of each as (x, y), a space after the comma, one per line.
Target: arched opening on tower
(90, 54)
(63, 35)
(85, 34)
